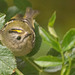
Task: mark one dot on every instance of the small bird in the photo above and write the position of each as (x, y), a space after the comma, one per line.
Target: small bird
(19, 33)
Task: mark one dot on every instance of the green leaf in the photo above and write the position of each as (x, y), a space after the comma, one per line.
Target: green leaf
(52, 31)
(51, 24)
(47, 61)
(2, 20)
(52, 19)
(68, 40)
(73, 53)
(53, 69)
(38, 40)
(49, 40)
(70, 54)
(43, 50)
(12, 11)
(7, 61)
(26, 67)
(53, 52)
(22, 4)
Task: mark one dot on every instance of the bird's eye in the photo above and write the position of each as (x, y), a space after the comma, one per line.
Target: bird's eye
(18, 38)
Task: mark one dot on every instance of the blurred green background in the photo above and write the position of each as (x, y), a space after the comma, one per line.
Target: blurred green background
(65, 11)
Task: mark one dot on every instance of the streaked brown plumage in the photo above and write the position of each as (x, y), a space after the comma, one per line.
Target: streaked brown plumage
(18, 34)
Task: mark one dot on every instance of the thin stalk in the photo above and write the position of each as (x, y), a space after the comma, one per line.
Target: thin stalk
(18, 72)
(68, 72)
(62, 58)
(34, 65)
(62, 63)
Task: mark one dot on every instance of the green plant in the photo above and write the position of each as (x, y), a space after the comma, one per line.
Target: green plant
(50, 56)
(66, 54)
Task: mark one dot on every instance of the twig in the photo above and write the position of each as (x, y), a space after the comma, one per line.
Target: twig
(18, 72)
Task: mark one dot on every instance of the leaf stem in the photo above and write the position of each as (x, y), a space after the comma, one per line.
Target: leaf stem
(62, 63)
(18, 72)
(64, 66)
(62, 58)
(70, 62)
(32, 63)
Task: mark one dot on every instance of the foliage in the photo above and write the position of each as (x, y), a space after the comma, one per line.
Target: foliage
(7, 61)
(2, 20)
(44, 60)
